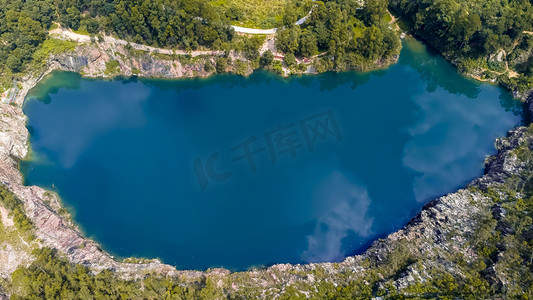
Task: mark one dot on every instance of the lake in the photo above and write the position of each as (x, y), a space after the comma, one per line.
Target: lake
(240, 172)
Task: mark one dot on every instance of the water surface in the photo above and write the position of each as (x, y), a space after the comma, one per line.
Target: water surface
(238, 172)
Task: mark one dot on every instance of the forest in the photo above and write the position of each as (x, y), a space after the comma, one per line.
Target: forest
(187, 24)
(469, 32)
(345, 33)
(353, 36)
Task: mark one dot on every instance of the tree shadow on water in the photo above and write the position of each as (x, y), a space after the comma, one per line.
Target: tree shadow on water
(435, 71)
(53, 83)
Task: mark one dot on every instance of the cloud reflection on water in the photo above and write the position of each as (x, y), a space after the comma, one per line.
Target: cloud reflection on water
(343, 210)
(442, 149)
(100, 118)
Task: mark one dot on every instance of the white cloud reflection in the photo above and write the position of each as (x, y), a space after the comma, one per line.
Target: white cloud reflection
(69, 135)
(449, 141)
(343, 209)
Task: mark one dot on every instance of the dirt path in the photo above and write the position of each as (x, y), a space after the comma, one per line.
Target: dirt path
(254, 31)
(392, 18)
(268, 31)
(510, 72)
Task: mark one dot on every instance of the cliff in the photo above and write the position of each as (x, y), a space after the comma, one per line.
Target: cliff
(429, 244)
(53, 227)
(444, 227)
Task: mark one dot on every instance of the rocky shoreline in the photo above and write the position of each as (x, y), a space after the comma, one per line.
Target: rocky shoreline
(443, 224)
(54, 228)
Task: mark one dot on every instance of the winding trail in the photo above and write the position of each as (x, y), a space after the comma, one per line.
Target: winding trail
(253, 30)
(268, 31)
(69, 34)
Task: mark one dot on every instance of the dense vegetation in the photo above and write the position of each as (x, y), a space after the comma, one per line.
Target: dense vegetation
(23, 27)
(355, 37)
(52, 277)
(16, 209)
(166, 23)
(187, 24)
(349, 35)
(259, 13)
(471, 33)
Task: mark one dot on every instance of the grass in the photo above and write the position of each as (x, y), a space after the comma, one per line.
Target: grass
(14, 237)
(111, 67)
(358, 32)
(6, 82)
(387, 18)
(18, 235)
(257, 13)
(81, 30)
(49, 47)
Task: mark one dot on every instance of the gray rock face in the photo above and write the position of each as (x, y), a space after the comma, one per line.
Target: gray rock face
(13, 133)
(443, 224)
(71, 63)
(91, 60)
(54, 230)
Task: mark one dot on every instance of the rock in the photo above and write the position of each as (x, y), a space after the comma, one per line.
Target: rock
(73, 63)
(442, 226)
(498, 212)
(500, 56)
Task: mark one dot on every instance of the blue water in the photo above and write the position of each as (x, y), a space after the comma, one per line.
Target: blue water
(239, 172)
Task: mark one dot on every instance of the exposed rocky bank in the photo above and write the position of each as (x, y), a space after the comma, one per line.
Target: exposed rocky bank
(445, 225)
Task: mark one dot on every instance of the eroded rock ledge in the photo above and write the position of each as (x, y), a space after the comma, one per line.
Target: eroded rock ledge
(444, 225)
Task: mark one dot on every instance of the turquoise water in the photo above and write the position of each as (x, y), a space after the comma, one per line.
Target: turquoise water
(239, 172)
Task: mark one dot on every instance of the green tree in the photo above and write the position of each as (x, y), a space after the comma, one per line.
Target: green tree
(287, 39)
(14, 60)
(308, 44)
(73, 17)
(290, 16)
(221, 64)
(266, 59)
(374, 11)
(289, 60)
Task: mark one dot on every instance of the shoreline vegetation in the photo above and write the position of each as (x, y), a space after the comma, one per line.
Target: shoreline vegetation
(335, 36)
(259, 14)
(474, 243)
(486, 40)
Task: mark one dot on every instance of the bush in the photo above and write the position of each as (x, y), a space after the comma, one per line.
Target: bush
(277, 67)
(266, 59)
(112, 67)
(208, 67)
(16, 208)
(222, 64)
(289, 60)
(498, 66)
(49, 47)
(241, 67)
